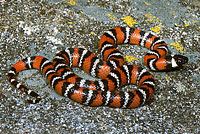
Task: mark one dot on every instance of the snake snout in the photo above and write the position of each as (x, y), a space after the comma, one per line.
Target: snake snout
(180, 59)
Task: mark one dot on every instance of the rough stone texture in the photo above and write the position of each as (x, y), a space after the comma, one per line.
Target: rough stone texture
(29, 28)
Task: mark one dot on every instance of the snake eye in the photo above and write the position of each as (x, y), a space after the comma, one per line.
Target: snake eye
(180, 59)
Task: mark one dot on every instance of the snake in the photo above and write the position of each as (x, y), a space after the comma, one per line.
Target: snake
(111, 69)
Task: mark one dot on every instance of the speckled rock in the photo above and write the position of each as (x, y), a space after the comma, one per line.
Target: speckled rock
(29, 28)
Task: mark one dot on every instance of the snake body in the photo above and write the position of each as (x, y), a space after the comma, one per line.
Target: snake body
(112, 70)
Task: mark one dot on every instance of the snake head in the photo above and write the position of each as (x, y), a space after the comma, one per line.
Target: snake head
(178, 60)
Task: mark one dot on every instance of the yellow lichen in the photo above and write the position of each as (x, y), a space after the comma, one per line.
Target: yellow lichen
(149, 4)
(156, 29)
(71, 2)
(152, 19)
(178, 46)
(130, 58)
(129, 21)
(112, 17)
